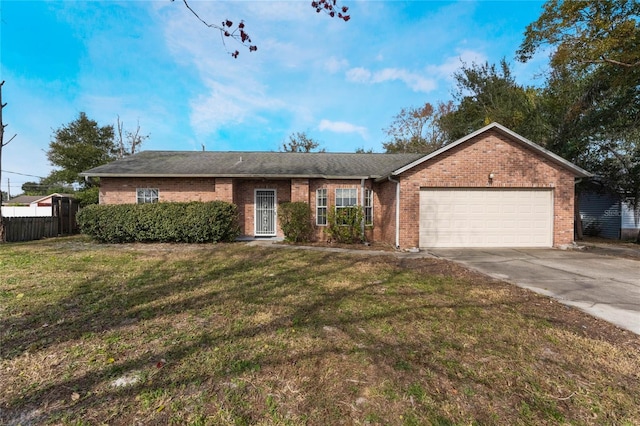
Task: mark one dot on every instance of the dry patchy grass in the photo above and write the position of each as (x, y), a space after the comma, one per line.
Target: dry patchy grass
(232, 334)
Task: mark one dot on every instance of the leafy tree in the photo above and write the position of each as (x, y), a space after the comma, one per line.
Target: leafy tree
(88, 196)
(586, 33)
(416, 129)
(32, 188)
(361, 150)
(300, 142)
(239, 33)
(79, 146)
(46, 186)
(485, 94)
(592, 96)
(596, 62)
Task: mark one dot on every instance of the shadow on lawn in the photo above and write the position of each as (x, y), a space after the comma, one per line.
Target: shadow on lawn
(249, 278)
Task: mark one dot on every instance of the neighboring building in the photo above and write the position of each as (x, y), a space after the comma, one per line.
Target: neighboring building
(31, 205)
(492, 188)
(608, 215)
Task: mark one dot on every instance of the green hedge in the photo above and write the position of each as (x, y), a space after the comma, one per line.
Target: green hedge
(193, 222)
(295, 221)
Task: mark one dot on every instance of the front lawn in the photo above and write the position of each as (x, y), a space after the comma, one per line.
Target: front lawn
(235, 334)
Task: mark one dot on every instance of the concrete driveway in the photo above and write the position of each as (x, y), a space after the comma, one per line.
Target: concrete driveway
(604, 286)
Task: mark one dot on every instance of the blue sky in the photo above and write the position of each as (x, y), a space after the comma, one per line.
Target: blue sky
(151, 62)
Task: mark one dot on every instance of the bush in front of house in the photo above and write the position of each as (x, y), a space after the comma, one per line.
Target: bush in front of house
(345, 224)
(295, 221)
(193, 222)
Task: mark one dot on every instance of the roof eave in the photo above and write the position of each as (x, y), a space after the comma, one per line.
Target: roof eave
(229, 175)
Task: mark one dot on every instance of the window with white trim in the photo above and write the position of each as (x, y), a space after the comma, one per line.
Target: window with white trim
(345, 198)
(321, 206)
(147, 195)
(368, 207)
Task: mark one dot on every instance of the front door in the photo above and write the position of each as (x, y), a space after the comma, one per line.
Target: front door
(265, 219)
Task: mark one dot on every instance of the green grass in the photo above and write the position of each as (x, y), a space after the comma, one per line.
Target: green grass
(234, 334)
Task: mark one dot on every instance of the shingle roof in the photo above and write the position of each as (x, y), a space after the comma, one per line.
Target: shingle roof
(253, 164)
(22, 199)
(30, 199)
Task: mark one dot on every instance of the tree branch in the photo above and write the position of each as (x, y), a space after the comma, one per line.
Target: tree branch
(330, 7)
(604, 60)
(226, 30)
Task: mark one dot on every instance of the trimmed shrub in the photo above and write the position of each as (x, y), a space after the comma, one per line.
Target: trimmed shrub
(193, 222)
(295, 221)
(345, 224)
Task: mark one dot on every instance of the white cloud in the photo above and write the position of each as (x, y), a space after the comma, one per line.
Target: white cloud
(415, 82)
(228, 104)
(453, 63)
(359, 75)
(342, 127)
(333, 64)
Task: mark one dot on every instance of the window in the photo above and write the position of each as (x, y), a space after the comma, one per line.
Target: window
(345, 198)
(368, 207)
(321, 206)
(147, 195)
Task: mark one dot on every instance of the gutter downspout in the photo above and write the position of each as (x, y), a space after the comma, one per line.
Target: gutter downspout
(397, 182)
(362, 204)
(578, 233)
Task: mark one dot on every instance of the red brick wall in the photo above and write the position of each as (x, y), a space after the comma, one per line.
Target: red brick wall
(123, 190)
(469, 164)
(300, 190)
(384, 212)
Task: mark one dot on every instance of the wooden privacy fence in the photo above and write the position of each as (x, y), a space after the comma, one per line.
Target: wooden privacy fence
(30, 228)
(61, 222)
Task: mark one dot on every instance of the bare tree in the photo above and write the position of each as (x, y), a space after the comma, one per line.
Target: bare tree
(128, 143)
(2, 145)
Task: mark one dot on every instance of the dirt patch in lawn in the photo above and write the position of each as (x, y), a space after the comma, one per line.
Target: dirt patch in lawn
(236, 334)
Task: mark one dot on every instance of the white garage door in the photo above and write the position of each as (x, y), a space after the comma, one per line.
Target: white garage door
(486, 218)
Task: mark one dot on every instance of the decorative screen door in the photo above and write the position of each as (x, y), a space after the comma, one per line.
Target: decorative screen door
(265, 221)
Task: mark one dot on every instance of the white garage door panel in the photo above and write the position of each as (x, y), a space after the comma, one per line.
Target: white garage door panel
(486, 218)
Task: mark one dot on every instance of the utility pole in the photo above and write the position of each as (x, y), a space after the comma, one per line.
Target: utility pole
(2, 145)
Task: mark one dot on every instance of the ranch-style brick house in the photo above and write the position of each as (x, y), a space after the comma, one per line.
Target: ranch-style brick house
(492, 188)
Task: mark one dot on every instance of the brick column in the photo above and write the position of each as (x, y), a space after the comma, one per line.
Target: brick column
(300, 190)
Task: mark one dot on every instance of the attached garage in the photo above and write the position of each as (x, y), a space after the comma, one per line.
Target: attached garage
(479, 217)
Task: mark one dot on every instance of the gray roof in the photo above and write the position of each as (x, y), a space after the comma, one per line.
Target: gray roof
(31, 199)
(293, 164)
(254, 164)
(22, 199)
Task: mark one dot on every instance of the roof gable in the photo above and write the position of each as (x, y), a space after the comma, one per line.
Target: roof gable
(577, 171)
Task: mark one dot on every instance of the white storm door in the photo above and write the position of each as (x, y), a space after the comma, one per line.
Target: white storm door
(265, 217)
